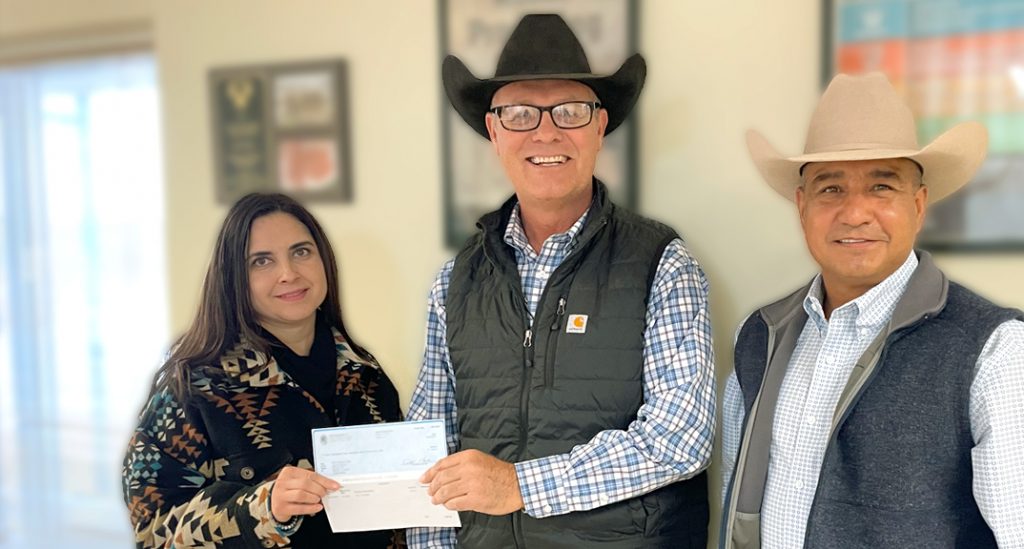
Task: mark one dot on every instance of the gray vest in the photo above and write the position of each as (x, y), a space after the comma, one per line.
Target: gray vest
(526, 392)
(897, 471)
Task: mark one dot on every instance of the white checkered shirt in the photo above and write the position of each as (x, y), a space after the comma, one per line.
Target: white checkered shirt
(671, 438)
(824, 356)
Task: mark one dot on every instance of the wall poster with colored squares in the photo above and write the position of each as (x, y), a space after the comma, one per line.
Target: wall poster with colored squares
(953, 60)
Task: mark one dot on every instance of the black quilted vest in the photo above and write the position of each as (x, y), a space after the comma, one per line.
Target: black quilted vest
(522, 396)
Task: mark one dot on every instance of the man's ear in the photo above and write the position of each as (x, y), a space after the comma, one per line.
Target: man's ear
(602, 125)
(921, 203)
(490, 120)
(800, 201)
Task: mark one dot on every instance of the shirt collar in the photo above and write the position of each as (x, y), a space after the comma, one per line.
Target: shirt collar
(515, 235)
(870, 310)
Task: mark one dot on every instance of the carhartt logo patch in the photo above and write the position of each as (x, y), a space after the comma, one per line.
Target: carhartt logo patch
(577, 324)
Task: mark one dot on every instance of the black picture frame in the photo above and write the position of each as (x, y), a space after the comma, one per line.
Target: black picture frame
(281, 127)
(953, 61)
(475, 31)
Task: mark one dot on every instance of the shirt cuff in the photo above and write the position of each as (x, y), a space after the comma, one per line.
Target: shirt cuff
(541, 487)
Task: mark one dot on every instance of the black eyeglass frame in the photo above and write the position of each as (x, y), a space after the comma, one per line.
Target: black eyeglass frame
(594, 105)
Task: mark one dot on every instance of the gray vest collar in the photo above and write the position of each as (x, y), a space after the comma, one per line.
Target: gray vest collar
(924, 296)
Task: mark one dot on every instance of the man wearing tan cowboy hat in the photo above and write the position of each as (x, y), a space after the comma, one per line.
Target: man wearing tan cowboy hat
(568, 343)
(881, 405)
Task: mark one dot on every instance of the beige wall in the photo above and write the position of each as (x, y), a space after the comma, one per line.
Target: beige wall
(714, 70)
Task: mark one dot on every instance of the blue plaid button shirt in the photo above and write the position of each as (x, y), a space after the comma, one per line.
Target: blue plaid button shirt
(671, 438)
(825, 354)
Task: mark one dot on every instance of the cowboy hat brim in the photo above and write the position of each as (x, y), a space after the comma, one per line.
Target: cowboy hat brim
(471, 96)
(948, 162)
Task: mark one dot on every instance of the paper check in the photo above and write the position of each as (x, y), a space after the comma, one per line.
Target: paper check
(378, 467)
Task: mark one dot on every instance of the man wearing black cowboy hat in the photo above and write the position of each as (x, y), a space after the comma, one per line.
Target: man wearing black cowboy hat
(568, 343)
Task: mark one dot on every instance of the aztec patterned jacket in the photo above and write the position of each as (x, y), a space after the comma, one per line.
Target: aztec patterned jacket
(200, 474)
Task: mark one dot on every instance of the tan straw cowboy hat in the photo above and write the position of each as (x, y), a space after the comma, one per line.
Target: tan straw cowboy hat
(864, 118)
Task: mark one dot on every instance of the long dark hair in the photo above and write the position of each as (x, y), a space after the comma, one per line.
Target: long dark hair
(226, 315)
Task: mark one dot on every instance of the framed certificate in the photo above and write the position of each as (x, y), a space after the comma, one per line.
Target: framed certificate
(281, 128)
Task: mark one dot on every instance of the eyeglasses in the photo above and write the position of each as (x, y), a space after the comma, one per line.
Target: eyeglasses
(524, 118)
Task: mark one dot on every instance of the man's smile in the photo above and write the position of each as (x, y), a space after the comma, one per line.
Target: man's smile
(552, 160)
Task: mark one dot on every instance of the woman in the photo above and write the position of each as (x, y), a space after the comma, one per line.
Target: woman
(223, 450)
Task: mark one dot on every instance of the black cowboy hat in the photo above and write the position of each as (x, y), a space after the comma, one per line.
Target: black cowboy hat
(542, 47)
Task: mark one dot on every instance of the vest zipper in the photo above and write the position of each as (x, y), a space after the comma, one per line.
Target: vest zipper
(524, 418)
(524, 382)
(552, 350)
